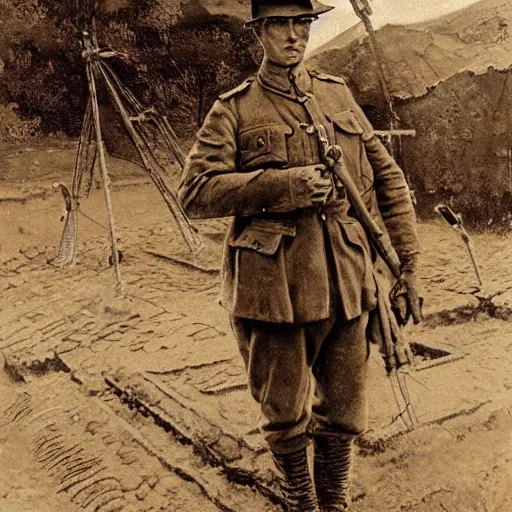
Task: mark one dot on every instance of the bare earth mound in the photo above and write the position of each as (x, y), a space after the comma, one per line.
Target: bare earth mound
(139, 403)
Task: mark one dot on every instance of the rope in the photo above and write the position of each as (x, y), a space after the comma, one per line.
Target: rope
(92, 220)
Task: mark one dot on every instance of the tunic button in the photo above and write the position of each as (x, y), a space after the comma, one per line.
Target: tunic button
(261, 142)
(256, 245)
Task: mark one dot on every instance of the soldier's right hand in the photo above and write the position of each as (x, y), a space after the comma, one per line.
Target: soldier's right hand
(309, 185)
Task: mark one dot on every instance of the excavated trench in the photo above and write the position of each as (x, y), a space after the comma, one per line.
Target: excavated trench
(132, 399)
(84, 474)
(268, 487)
(469, 313)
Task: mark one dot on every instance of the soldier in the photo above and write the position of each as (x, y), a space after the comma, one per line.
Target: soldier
(298, 269)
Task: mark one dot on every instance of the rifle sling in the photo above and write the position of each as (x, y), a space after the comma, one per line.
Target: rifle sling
(320, 122)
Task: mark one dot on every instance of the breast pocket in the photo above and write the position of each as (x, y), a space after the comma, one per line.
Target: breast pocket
(349, 135)
(264, 146)
(347, 123)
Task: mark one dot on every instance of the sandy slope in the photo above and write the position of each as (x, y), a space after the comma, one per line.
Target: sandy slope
(171, 326)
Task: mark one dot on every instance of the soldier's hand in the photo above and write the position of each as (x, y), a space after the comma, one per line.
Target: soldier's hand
(309, 185)
(406, 300)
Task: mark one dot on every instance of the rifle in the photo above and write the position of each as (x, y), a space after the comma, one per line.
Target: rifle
(394, 348)
(381, 243)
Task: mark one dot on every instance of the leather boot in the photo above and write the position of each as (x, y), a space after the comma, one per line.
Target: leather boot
(332, 465)
(297, 484)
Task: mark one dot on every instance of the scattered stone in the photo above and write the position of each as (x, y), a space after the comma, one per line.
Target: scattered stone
(142, 491)
(16, 281)
(31, 253)
(153, 481)
(127, 455)
(100, 345)
(39, 261)
(14, 264)
(4, 285)
(77, 337)
(116, 336)
(67, 346)
(227, 448)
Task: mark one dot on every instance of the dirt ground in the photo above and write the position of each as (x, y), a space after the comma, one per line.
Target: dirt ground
(139, 403)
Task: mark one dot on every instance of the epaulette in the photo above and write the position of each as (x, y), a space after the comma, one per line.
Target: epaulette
(238, 89)
(326, 77)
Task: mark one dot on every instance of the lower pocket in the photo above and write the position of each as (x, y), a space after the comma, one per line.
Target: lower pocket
(257, 239)
(356, 235)
(264, 235)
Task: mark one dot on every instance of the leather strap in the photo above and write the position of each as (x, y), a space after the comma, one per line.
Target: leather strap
(316, 116)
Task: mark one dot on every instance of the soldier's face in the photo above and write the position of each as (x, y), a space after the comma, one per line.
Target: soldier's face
(284, 40)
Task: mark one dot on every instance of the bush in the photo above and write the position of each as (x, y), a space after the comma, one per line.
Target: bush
(13, 129)
(169, 51)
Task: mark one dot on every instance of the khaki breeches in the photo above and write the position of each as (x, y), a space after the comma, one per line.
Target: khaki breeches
(308, 378)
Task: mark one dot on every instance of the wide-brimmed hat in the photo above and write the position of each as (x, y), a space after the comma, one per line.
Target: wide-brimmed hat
(285, 9)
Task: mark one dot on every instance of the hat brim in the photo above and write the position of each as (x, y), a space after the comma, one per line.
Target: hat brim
(291, 13)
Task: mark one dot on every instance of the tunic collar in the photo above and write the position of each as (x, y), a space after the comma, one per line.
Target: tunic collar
(277, 78)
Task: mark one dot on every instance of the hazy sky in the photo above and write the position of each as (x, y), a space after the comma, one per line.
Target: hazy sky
(384, 11)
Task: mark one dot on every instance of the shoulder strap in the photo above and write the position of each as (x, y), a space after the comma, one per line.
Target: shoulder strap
(326, 78)
(237, 90)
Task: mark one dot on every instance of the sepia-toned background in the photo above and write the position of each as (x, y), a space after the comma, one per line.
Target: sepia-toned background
(139, 403)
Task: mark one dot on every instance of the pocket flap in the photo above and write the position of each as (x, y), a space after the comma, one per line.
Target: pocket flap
(264, 144)
(282, 226)
(347, 122)
(258, 239)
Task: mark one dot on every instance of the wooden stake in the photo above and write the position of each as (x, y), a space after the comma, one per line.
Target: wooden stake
(190, 236)
(103, 167)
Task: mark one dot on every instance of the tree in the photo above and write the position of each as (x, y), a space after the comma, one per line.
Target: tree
(170, 44)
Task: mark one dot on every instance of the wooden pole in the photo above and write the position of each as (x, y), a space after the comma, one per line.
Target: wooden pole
(89, 50)
(190, 236)
(363, 11)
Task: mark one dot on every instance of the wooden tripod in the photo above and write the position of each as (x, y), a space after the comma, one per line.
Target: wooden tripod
(91, 146)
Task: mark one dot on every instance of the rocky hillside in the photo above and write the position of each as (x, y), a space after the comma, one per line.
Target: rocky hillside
(169, 44)
(417, 57)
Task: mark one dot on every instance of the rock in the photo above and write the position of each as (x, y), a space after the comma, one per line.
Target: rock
(227, 448)
(4, 285)
(14, 264)
(67, 346)
(127, 456)
(100, 345)
(142, 491)
(31, 253)
(16, 281)
(116, 336)
(153, 481)
(77, 337)
(39, 261)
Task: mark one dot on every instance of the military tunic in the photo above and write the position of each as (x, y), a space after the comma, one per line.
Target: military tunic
(275, 267)
(298, 282)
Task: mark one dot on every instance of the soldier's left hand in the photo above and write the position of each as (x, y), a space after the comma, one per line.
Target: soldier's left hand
(406, 300)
